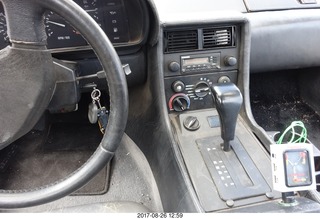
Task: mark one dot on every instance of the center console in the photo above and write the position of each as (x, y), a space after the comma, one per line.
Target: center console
(194, 59)
(205, 80)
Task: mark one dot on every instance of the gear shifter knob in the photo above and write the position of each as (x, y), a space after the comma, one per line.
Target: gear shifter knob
(228, 101)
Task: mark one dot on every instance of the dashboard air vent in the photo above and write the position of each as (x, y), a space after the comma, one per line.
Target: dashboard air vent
(182, 40)
(218, 37)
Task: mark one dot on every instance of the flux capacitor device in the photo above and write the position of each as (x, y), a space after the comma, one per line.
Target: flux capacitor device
(293, 167)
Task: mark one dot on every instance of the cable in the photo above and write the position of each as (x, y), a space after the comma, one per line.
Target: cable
(296, 136)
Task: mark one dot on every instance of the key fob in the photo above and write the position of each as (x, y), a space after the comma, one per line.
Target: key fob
(103, 119)
(93, 113)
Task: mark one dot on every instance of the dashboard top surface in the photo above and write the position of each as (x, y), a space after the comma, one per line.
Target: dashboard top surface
(263, 5)
(196, 10)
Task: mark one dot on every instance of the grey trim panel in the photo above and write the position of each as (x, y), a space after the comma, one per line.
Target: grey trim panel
(284, 40)
(263, 5)
(108, 207)
(173, 7)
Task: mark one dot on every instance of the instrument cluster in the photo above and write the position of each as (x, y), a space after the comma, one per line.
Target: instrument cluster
(109, 14)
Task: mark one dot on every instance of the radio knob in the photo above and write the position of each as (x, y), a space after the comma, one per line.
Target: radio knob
(178, 86)
(201, 89)
(174, 66)
(230, 61)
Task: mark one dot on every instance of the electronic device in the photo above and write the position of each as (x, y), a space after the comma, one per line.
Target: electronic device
(293, 167)
(200, 62)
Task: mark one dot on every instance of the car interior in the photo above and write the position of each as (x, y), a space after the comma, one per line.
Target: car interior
(158, 106)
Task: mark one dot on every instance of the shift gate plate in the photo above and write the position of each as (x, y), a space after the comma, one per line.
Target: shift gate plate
(233, 172)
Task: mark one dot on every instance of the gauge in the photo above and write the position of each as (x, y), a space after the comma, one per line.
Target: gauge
(91, 7)
(297, 168)
(4, 39)
(60, 33)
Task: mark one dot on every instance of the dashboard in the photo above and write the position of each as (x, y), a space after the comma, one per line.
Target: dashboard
(121, 20)
(192, 45)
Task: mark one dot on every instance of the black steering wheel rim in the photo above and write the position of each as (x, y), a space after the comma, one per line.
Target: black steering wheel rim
(118, 93)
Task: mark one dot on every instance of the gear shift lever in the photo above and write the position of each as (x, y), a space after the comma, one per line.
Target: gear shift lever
(228, 100)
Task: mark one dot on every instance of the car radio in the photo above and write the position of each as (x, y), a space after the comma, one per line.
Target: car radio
(200, 62)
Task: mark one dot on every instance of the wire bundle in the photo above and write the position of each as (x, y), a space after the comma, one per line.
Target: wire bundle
(296, 133)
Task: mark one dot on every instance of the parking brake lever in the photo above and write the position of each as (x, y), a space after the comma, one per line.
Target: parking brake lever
(228, 101)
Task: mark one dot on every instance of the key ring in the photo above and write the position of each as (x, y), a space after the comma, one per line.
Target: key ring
(95, 94)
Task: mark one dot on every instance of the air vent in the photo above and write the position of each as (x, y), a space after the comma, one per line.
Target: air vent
(178, 41)
(218, 37)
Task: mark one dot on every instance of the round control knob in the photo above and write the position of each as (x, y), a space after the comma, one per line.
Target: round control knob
(230, 61)
(179, 102)
(174, 66)
(201, 89)
(191, 123)
(224, 79)
(178, 86)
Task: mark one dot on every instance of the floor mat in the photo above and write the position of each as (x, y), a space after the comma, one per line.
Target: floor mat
(131, 180)
(43, 157)
(277, 117)
(276, 103)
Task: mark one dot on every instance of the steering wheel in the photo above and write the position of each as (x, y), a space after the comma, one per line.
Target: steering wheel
(27, 82)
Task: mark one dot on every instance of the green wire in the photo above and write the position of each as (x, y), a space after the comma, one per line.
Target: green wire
(296, 137)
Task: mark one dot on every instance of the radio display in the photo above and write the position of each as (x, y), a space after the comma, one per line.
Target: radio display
(200, 63)
(196, 61)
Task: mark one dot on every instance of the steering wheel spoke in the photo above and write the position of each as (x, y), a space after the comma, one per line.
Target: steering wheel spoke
(25, 23)
(26, 87)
